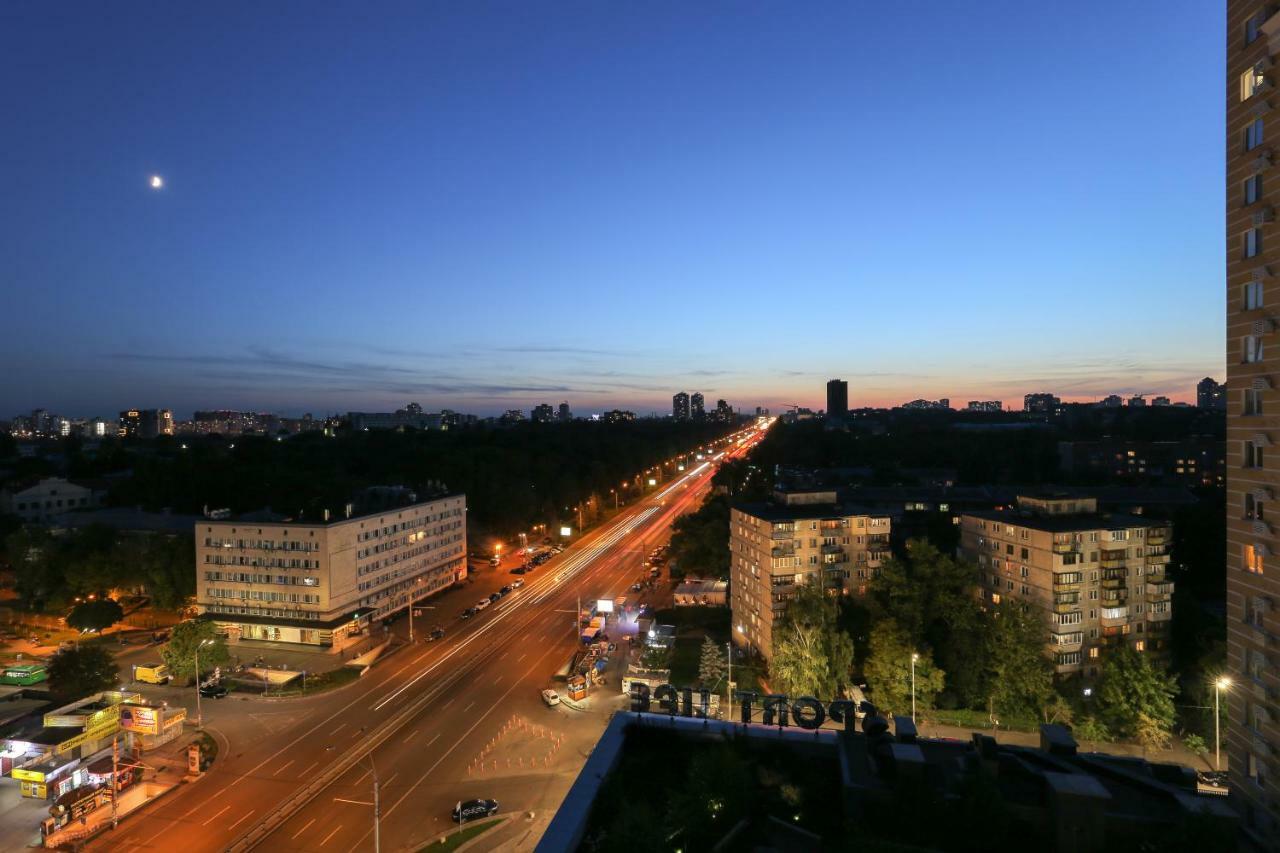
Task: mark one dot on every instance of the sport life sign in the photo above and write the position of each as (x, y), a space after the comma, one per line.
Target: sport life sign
(775, 709)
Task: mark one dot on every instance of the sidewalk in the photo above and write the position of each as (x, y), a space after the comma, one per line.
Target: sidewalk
(1176, 754)
(165, 768)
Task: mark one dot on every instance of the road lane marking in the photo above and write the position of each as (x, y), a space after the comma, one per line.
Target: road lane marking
(309, 769)
(390, 778)
(410, 737)
(450, 702)
(433, 740)
(242, 819)
(212, 816)
(361, 779)
(282, 767)
(330, 835)
(353, 802)
(522, 657)
(473, 704)
(338, 729)
(304, 829)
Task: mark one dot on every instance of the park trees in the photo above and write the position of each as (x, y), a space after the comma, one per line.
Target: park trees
(711, 664)
(1134, 696)
(80, 671)
(1019, 678)
(96, 614)
(889, 666)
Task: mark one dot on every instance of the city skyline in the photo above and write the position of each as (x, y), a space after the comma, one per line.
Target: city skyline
(321, 241)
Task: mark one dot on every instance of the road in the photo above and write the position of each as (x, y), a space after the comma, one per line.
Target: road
(422, 718)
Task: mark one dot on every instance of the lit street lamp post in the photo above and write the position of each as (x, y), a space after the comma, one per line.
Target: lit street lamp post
(1221, 684)
(914, 657)
(199, 712)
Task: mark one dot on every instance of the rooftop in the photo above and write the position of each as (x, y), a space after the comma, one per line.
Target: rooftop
(795, 512)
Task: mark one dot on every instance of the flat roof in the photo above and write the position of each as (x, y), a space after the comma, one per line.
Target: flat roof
(1066, 523)
(791, 512)
(336, 517)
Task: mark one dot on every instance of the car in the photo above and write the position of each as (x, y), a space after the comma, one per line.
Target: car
(468, 613)
(519, 570)
(550, 697)
(436, 634)
(495, 561)
(482, 604)
(472, 809)
(213, 691)
(505, 590)
(494, 596)
(636, 587)
(517, 583)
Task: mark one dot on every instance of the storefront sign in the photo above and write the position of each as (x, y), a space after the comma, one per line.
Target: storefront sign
(140, 718)
(24, 775)
(109, 727)
(775, 709)
(174, 718)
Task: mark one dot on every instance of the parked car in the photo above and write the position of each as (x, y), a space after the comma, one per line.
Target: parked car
(636, 587)
(472, 809)
(550, 697)
(468, 613)
(436, 634)
(517, 583)
(213, 691)
(505, 590)
(519, 570)
(482, 604)
(494, 596)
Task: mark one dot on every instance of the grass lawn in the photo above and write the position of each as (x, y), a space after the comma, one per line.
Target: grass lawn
(315, 683)
(457, 839)
(971, 719)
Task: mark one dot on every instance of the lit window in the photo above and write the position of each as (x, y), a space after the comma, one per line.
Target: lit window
(995, 598)
(1140, 646)
(1253, 559)
(1251, 82)
(1093, 652)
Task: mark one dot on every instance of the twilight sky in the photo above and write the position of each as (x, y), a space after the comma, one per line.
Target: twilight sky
(483, 206)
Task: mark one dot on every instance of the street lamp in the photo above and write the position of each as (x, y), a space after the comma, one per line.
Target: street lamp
(199, 711)
(914, 657)
(1223, 683)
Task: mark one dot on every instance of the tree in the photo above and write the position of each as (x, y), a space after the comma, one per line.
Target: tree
(711, 666)
(1091, 730)
(180, 652)
(1151, 733)
(1130, 688)
(1019, 676)
(924, 590)
(811, 655)
(888, 670)
(95, 615)
(81, 671)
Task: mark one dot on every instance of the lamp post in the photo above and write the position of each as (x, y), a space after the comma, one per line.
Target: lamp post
(729, 687)
(1223, 683)
(914, 657)
(199, 711)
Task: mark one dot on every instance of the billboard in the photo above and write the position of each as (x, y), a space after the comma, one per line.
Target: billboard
(604, 605)
(143, 719)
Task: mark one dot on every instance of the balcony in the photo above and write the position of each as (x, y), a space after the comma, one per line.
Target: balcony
(782, 533)
(1160, 617)
(1069, 641)
(1113, 583)
(832, 549)
(1114, 597)
(1114, 616)
(782, 552)
(1157, 560)
(1113, 562)
(1065, 547)
(1065, 586)
(1072, 606)
(877, 542)
(1159, 536)
(1159, 590)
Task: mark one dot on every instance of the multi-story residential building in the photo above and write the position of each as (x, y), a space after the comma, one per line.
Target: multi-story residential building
(542, 414)
(1137, 401)
(1211, 394)
(1045, 404)
(1192, 461)
(984, 406)
(680, 406)
(697, 406)
(38, 501)
(618, 416)
(837, 398)
(1098, 578)
(802, 537)
(1253, 407)
(564, 415)
(146, 423)
(322, 583)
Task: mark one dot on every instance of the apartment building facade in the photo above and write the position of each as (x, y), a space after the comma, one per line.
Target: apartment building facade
(323, 583)
(799, 538)
(1099, 579)
(1253, 416)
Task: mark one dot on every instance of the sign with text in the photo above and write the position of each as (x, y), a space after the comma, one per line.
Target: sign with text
(775, 709)
(142, 719)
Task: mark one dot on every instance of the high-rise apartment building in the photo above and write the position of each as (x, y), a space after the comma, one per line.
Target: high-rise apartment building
(680, 406)
(799, 538)
(1253, 417)
(542, 414)
(564, 415)
(1099, 579)
(1041, 403)
(146, 423)
(837, 398)
(1211, 394)
(321, 583)
(697, 407)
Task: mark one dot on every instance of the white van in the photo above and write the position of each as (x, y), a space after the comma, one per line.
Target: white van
(482, 604)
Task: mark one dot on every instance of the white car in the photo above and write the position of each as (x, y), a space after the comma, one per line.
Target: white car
(482, 604)
(517, 583)
(550, 697)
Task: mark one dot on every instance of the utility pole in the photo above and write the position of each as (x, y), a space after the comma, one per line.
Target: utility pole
(914, 657)
(115, 780)
(377, 810)
(729, 649)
